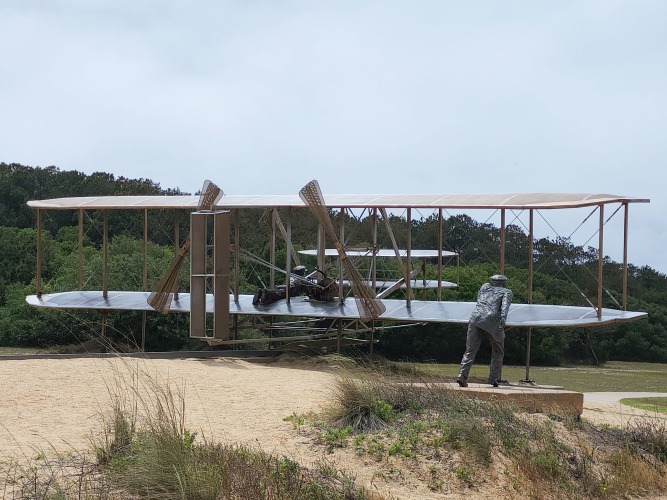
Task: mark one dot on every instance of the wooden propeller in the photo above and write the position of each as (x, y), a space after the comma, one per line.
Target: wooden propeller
(369, 306)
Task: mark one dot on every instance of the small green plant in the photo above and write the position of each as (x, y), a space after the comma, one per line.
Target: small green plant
(359, 440)
(397, 448)
(336, 438)
(436, 484)
(189, 438)
(463, 473)
(546, 461)
(375, 448)
(297, 421)
(287, 466)
(383, 410)
(401, 447)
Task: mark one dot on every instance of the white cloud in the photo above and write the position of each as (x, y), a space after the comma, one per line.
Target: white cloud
(367, 97)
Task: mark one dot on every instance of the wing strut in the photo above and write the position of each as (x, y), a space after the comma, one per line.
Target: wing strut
(161, 298)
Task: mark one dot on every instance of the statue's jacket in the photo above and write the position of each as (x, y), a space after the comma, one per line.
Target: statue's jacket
(493, 304)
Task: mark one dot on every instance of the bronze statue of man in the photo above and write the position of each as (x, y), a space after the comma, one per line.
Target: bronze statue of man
(297, 286)
(487, 320)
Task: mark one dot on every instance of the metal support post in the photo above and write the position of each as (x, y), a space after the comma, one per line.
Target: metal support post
(528, 380)
(38, 270)
(105, 255)
(79, 268)
(600, 260)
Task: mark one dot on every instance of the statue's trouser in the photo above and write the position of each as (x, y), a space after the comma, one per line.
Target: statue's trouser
(474, 340)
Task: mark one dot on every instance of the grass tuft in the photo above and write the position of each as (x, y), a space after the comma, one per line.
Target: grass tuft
(360, 405)
(148, 451)
(650, 435)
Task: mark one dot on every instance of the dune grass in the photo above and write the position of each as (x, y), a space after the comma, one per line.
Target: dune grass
(144, 449)
(147, 450)
(446, 437)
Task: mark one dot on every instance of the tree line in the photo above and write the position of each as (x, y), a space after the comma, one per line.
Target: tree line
(559, 263)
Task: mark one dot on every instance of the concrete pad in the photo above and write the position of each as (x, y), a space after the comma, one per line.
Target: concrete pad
(527, 397)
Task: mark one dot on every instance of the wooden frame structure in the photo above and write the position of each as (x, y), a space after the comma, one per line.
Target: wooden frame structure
(209, 270)
(408, 310)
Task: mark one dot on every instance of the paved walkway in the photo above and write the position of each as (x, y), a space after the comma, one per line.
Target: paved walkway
(606, 408)
(615, 397)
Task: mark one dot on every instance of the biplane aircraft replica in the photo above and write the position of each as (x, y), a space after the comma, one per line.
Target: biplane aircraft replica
(338, 302)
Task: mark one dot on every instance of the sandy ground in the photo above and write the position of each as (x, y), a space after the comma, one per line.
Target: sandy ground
(49, 405)
(57, 404)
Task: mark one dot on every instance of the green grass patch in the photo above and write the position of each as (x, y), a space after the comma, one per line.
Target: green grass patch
(657, 405)
(20, 350)
(614, 376)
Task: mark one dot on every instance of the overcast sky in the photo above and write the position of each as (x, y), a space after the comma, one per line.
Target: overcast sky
(367, 97)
